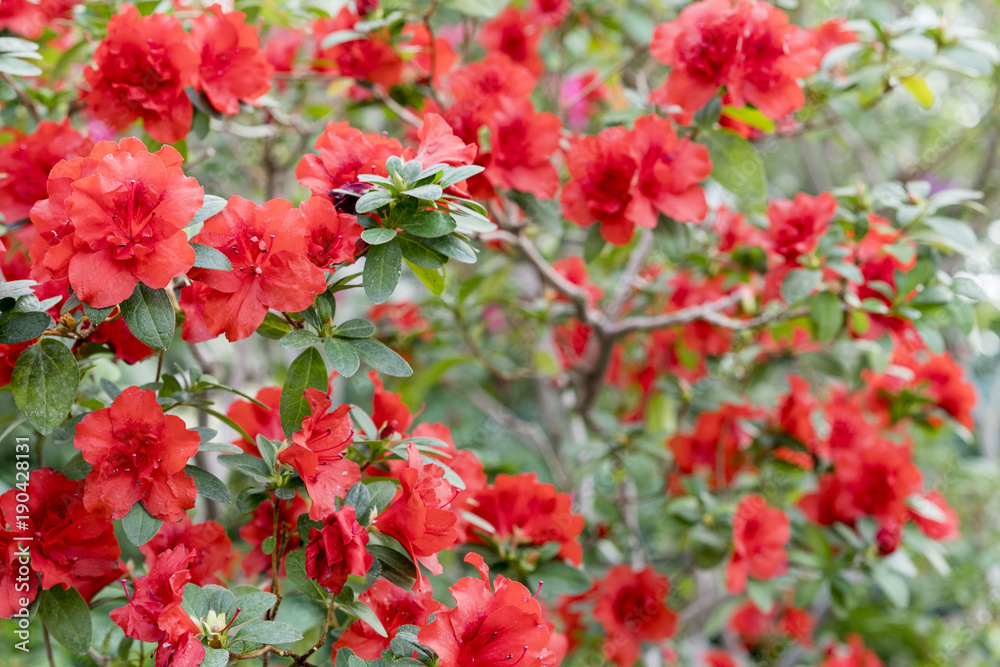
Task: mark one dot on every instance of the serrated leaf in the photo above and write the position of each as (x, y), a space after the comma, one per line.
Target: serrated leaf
(380, 357)
(44, 383)
(150, 316)
(140, 527)
(207, 257)
(383, 267)
(67, 618)
(307, 371)
(208, 484)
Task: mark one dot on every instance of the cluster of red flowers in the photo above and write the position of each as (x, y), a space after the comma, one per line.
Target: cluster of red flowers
(144, 66)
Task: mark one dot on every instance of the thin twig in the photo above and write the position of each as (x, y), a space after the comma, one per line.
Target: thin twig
(22, 97)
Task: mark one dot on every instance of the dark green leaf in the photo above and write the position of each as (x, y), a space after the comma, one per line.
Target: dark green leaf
(18, 327)
(383, 266)
(273, 327)
(67, 618)
(150, 316)
(308, 371)
(417, 252)
(208, 484)
(139, 526)
(207, 257)
(454, 247)
(295, 569)
(396, 567)
(268, 632)
(248, 465)
(363, 612)
(343, 358)
(44, 383)
(429, 224)
(97, 315)
(380, 357)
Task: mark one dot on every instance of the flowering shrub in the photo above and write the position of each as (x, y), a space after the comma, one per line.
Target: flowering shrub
(666, 360)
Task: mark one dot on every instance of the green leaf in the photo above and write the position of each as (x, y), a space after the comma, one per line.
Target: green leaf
(396, 567)
(363, 612)
(195, 602)
(97, 315)
(44, 383)
(432, 280)
(15, 44)
(378, 235)
(826, 314)
(894, 586)
(454, 247)
(308, 371)
(560, 577)
(429, 224)
(417, 252)
(429, 192)
(248, 465)
(761, 594)
(18, 67)
(298, 339)
(380, 357)
(215, 657)
(16, 327)
(139, 526)
(207, 257)
(356, 328)
(798, 284)
(273, 327)
(343, 358)
(208, 484)
(917, 86)
(268, 632)
(67, 618)
(210, 207)
(295, 569)
(382, 493)
(150, 316)
(737, 166)
(256, 603)
(751, 116)
(383, 266)
(373, 200)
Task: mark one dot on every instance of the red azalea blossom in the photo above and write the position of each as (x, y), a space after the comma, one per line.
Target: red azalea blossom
(389, 412)
(524, 511)
(797, 225)
(31, 17)
(261, 526)
(502, 626)
(138, 455)
(192, 302)
(856, 656)
(344, 153)
(154, 613)
(233, 68)
(417, 517)
(631, 606)
(833, 33)
(267, 247)
(70, 546)
(795, 412)
(758, 630)
(332, 235)
(140, 71)
(514, 34)
(394, 607)
(760, 534)
(366, 59)
(938, 521)
(114, 219)
(522, 144)
(338, 550)
(715, 447)
(116, 335)
(317, 454)
(439, 145)
(257, 420)
(209, 548)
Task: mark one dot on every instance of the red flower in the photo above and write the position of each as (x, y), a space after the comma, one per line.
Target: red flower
(140, 71)
(70, 546)
(701, 46)
(126, 347)
(192, 302)
(514, 33)
(281, 47)
(114, 219)
(338, 550)
(416, 517)
(344, 152)
(210, 550)
(551, 12)
(716, 447)
(233, 68)
(760, 534)
(439, 145)
(524, 511)
(795, 412)
(502, 627)
(332, 235)
(389, 412)
(256, 420)
(419, 49)
(8, 359)
(394, 607)
(267, 247)
(403, 319)
(154, 613)
(669, 172)
(25, 163)
(941, 524)
(317, 454)
(758, 630)
(857, 655)
(632, 608)
(797, 225)
(478, 89)
(138, 454)
(718, 658)
(833, 33)
(31, 17)
(601, 170)
(367, 59)
(261, 526)
(522, 144)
